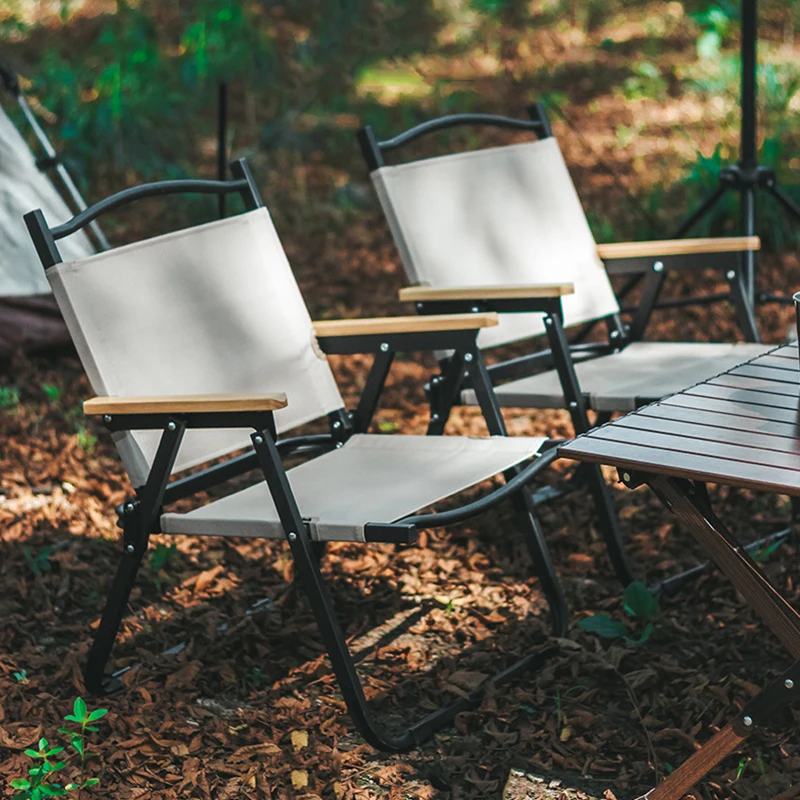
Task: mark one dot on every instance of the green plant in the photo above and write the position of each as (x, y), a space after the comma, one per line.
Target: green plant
(21, 676)
(639, 603)
(9, 397)
(41, 781)
(53, 393)
(40, 562)
(86, 440)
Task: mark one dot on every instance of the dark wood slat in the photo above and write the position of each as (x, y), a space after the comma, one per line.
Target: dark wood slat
(737, 396)
(683, 465)
(785, 364)
(767, 373)
(726, 407)
(699, 433)
(756, 384)
(684, 444)
(697, 766)
(706, 417)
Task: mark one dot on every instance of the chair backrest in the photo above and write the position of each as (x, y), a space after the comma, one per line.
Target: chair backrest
(209, 309)
(24, 187)
(501, 215)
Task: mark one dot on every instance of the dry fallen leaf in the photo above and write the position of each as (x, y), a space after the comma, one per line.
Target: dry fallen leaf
(299, 778)
(299, 740)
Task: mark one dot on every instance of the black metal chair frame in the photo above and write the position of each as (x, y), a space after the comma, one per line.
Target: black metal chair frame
(445, 389)
(139, 516)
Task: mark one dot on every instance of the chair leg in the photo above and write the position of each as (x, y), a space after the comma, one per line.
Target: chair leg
(609, 523)
(134, 548)
(342, 661)
(542, 564)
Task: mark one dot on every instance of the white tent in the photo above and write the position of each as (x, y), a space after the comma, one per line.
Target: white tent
(29, 317)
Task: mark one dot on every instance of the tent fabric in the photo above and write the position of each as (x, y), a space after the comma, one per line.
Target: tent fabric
(23, 188)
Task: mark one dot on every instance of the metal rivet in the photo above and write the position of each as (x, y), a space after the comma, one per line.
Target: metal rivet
(338, 445)
(258, 439)
(573, 404)
(171, 426)
(129, 548)
(468, 357)
(548, 320)
(292, 536)
(384, 347)
(475, 309)
(626, 476)
(658, 266)
(419, 306)
(434, 417)
(748, 722)
(129, 508)
(731, 274)
(789, 683)
(337, 425)
(107, 418)
(614, 334)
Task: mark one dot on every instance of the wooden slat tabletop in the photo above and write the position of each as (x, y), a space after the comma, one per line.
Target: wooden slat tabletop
(740, 428)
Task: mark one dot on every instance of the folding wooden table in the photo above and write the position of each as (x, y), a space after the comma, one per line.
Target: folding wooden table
(740, 428)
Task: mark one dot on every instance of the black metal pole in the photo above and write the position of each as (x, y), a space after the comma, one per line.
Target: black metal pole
(222, 141)
(748, 154)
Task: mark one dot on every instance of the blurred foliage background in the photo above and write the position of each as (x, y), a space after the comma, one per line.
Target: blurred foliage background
(643, 95)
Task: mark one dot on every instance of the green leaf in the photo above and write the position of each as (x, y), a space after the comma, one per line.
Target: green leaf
(91, 782)
(54, 751)
(98, 713)
(71, 718)
(20, 783)
(79, 709)
(640, 602)
(33, 754)
(77, 743)
(42, 745)
(646, 634)
(603, 625)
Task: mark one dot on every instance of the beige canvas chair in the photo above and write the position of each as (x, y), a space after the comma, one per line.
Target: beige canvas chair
(198, 344)
(500, 229)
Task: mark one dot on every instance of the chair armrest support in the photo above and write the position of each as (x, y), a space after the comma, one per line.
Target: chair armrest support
(192, 411)
(678, 247)
(397, 334)
(184, 404)
(413, 294)
(537, 298)
(676, 254)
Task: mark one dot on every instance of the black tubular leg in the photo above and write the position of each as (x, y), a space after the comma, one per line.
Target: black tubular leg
(524, 505)
(444, 391)
(744, 309)
(788, 204)
(376, 379)
(341, 659)
(116, 607)
(748, 196)
(606, 513)
(652, 290)
(139, 517)
(701, 211)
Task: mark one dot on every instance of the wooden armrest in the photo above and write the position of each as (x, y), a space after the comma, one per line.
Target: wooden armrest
(379, 326)
(678, 247)
(184, 404)
(414, 294)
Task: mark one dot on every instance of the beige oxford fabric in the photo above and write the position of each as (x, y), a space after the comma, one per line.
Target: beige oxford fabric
(23, 188)
(643, 372)
(372, 478)
(494, 217)
(211, 309)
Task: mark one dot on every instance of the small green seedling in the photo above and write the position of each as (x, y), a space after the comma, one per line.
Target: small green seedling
(640, 603)
(9, 397)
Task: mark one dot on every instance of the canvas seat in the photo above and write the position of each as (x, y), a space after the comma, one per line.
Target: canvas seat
(502, 229)
(635, 376)
(198, 344)
(369, 479)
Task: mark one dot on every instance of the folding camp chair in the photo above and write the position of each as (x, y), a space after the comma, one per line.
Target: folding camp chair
(194, 334)
(738, 428)
(492, 229)
(24, 184)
